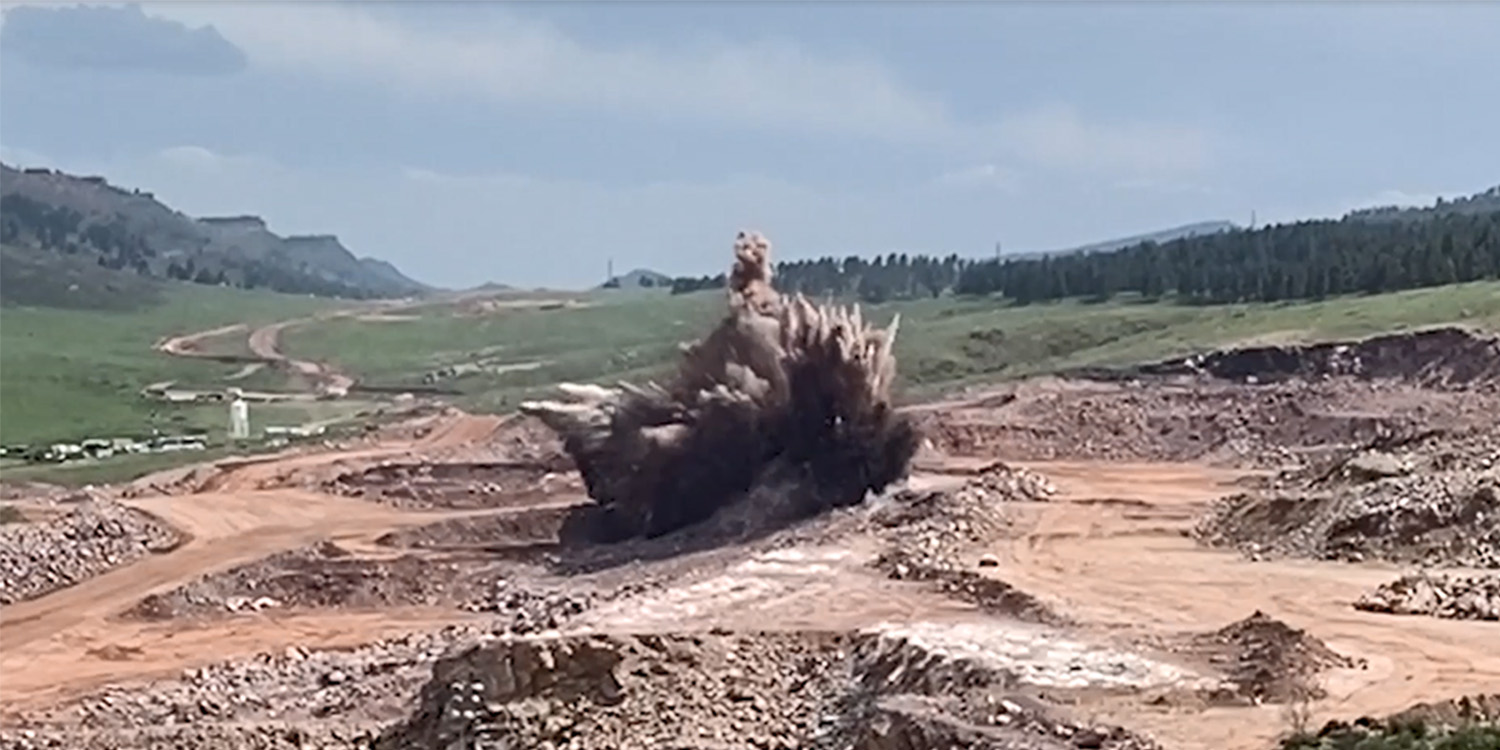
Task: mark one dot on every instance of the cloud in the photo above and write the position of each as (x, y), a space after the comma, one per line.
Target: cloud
(981, 176)
(760, 84)
(1170, 187)
(1059, 136)
(514, 60)
(112, 39)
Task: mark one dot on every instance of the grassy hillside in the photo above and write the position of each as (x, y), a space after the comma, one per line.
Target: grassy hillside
(943, 342)
(38, 278)
(70, 373)
(87, 218)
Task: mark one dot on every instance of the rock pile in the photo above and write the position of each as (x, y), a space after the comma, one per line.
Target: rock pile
(999, 482)
(588, 692)
(1267, 660)
(750, 690)
(95, 536)
(937, 529)
(1455, 597)
(1444, 519)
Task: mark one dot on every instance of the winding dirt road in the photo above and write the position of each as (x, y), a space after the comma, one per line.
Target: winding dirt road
(265, 347)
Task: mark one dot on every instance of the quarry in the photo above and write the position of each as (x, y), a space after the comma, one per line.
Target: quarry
(766, 550)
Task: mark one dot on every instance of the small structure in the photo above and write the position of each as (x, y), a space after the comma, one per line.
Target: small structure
(239, 416)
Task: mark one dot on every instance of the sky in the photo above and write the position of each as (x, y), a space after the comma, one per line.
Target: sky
(533, 143)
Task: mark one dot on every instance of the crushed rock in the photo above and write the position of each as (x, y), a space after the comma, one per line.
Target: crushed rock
(1455, 597)
(91, 538)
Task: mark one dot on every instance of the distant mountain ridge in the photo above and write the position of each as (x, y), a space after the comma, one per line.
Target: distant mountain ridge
(87, 217)
(640, 278)
(1197, 229)
(1478, 203)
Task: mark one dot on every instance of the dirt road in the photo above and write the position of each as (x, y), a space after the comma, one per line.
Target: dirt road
(265, 349)
(1112, 551)
(52, 644)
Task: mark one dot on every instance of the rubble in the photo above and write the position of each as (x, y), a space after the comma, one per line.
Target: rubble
(733, 690)
(90, 538)
(999, 481)
(1440, 519)
(1455, 597)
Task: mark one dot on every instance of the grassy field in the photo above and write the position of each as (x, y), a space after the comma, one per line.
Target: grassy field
(942, 343)
(70, 373)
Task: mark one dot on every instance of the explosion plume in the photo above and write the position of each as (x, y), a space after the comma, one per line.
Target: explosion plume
(784, 409)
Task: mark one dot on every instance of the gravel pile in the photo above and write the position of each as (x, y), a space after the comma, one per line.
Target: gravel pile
(1454, 597)
(90, 539)
(1439, 519)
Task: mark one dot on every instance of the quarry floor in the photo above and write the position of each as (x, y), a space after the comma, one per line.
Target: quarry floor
(1111, 551)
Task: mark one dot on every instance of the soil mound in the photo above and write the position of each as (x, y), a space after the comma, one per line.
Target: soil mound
(1434, 358)
(783, 394)
(1267, 660)
(89, 539)
(1453, 597)
(1449, 519)
(425, 485)
(523, 534)
(322, 576)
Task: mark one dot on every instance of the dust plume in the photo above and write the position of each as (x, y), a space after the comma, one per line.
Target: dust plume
(785, 405)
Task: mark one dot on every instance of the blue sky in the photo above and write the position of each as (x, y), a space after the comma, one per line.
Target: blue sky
(529, 143)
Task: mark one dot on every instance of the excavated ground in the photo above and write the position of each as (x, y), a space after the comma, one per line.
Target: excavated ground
(421, 589)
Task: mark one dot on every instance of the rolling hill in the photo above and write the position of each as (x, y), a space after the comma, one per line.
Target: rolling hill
(639, 278)
(1197, 229)
(85, 218)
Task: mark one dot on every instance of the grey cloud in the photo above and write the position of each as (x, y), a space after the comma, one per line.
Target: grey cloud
(115, 38)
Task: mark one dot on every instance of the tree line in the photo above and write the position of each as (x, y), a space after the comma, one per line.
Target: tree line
(888, 277)
(1303, 260)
